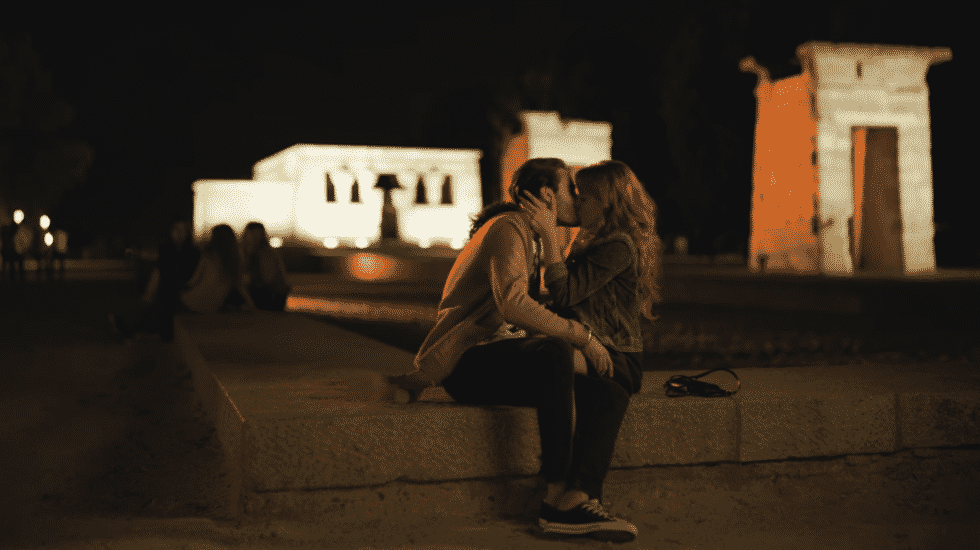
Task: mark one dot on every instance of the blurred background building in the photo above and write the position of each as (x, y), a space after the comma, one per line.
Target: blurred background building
(843, 169)
(335, 196)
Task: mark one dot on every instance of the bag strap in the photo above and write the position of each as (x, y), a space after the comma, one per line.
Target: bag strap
(680, 385)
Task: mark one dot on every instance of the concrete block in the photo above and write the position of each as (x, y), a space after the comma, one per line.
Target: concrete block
(378, 446)
(689, 430)
(937, 419)
(410, 502)
(228, 420)
(777, 426)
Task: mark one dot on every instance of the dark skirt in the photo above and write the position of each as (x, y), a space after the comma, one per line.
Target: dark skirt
(627, 369)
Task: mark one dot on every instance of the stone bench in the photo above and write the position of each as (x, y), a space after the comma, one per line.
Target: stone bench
(291, 398)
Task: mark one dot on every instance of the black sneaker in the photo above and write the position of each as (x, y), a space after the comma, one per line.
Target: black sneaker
(588, 518)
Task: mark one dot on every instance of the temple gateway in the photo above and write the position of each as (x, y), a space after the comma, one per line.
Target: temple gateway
(842, 176)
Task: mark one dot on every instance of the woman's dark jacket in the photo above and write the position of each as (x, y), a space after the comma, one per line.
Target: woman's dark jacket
(599, 286)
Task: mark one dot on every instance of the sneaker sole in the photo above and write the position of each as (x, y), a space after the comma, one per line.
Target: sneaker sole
(625, 532)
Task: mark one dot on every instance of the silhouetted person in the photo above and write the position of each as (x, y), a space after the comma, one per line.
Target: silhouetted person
(59, 251)
(265, 274)
(218, 282)
(176, 262)
(23, 238)
(216, 279)
(39, 250)
(7, 251)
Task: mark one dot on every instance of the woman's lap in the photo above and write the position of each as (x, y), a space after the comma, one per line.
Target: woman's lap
(628, 370)
(509, 372)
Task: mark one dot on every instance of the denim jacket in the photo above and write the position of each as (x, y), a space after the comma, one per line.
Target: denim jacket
(599, 287)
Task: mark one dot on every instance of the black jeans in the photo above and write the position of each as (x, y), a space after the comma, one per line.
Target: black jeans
(540, 373)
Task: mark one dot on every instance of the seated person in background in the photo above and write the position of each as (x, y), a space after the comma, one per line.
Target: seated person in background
(218, 277)
(217, 280)
(176, 263)
(265, 274)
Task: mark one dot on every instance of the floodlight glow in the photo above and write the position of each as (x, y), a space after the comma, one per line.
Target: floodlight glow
(330, 242)
(275, 242)
(369, 267)
(457, 243)
(425, 243)
(45, 222)
(18, 216)
(48, 239)
(361, 242)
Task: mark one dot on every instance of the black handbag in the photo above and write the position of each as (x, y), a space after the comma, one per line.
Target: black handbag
(680, 385)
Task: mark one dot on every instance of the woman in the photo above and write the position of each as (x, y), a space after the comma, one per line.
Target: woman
(218, 279)
(265, 275)
(607, 282)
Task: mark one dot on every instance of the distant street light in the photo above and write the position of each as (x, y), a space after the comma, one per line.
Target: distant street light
(45, 222)
(330, 242)
(48, 239)
(275, 242)
(18, 216)
(361, 242)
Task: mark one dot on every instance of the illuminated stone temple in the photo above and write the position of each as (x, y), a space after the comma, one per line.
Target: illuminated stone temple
(350, 196)
(842, 177)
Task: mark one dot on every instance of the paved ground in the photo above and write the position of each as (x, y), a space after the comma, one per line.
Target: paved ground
(106, 447)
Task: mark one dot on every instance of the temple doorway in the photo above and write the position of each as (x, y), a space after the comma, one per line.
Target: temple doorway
(876, 228)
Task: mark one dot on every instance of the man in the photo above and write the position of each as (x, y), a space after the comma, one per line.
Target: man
(60, 251)
(7, 249)
(481, 352)
(23, 239)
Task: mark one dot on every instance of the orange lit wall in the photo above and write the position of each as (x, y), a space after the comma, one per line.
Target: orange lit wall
(858, 141)
(515, 154)
(785, 178)
(810, 149)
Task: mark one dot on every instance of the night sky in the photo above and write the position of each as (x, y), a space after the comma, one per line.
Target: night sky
(162, 108)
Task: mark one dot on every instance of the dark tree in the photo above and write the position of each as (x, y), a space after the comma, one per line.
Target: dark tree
(37, 162)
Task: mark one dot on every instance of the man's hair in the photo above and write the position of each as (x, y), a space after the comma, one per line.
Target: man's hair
(532, 176)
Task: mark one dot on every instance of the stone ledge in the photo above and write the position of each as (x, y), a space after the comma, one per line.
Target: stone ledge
(283, 429)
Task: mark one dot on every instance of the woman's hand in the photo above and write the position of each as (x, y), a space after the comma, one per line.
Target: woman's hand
(598, 357)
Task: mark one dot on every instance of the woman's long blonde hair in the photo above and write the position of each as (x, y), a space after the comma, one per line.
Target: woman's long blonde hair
(626, 207)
